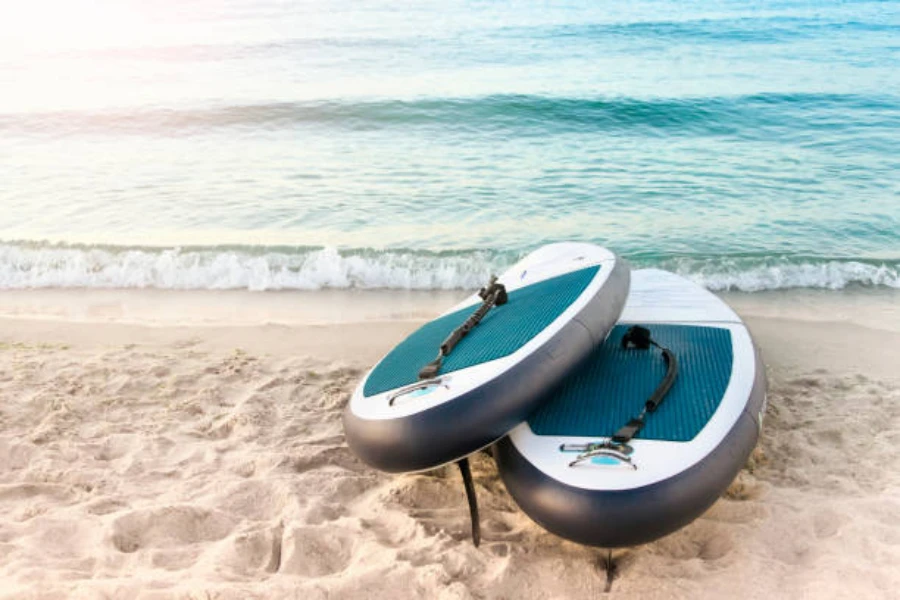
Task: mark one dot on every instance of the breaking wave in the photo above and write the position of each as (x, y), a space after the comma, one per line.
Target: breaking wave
(36, 266)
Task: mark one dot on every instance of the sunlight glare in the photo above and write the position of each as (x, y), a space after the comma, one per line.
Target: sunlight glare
(42, 27)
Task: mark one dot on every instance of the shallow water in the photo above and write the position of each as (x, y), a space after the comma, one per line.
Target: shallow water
(267, 145)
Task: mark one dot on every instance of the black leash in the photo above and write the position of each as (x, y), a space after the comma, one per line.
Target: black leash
(640, 338)
(617, 446)
(492, 295)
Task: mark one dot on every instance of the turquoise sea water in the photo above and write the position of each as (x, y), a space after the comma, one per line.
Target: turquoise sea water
(269, 145)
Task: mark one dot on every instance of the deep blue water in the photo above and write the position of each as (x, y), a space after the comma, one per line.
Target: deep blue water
(270, 145)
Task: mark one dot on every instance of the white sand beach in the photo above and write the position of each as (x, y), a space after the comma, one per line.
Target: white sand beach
(189, 445)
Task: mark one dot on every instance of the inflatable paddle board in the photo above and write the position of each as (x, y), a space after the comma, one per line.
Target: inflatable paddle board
(590, 466)
(414, 412)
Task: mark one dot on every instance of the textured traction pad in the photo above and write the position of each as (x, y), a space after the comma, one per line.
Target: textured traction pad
(504, 330)
(611, 386)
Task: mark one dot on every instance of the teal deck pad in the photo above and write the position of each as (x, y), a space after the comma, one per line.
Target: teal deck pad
(611, 386)
(504, 330)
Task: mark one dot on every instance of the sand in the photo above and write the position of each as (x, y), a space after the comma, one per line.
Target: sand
(145, 456)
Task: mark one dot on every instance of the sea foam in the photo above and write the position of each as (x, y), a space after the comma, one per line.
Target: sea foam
(35, 266)
(28, 267)
(832, 275)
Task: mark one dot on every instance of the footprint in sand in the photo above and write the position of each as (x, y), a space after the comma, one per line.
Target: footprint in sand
(392, 530)
(731, 511)
(105, 506)
(257, 500)
(314, 457)
(827, 522)
(701, 539)
(501, 527)
(439, 504)
(423, 492)
(251, 552)
(169, 527)
(36, 491)
(322, 512)
(316, 551)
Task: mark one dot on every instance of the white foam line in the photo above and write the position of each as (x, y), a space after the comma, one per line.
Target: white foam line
(41, 267)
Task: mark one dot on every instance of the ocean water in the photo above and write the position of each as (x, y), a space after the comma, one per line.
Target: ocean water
(263, 144)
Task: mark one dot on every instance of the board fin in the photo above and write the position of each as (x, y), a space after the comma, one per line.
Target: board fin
(472, 499)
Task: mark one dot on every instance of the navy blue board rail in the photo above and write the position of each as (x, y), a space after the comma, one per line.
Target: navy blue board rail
(612, 384)
(503, 331)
